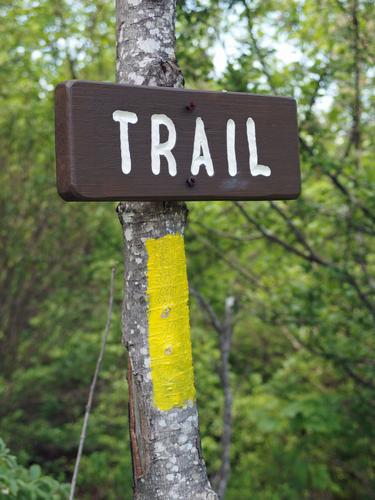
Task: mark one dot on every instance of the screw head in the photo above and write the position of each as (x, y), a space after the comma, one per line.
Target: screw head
(191, 181)
(190, 107)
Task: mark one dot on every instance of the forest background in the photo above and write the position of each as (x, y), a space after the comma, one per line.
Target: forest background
(302, 272)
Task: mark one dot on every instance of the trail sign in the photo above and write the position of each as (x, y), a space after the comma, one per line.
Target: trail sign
(122, 142)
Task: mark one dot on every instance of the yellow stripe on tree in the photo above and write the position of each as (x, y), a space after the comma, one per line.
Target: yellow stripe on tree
(169, 327)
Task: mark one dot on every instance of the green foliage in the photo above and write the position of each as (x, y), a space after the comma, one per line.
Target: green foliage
(302, 272)
(28, 484)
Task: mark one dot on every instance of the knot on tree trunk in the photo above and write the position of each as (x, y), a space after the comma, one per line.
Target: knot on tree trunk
(171, 215)
(164, 73)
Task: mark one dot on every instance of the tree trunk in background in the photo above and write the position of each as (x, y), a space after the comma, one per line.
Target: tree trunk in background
(225, 330)
(163, 417)
(226, 437)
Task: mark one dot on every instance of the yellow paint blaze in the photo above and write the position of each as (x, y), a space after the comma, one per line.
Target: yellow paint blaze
(168, 318)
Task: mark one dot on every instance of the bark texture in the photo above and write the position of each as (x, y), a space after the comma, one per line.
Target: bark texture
(167, 462)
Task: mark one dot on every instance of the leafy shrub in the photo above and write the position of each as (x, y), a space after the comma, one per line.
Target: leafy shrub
(26, 483)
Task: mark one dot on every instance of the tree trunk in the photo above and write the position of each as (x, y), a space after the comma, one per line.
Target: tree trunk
(225, 348)
(163, 417)
(225, 331)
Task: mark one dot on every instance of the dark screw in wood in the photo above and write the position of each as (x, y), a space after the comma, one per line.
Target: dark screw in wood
(190, 107)
(191, 181)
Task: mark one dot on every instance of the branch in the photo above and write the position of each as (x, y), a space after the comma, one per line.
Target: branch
(275, 239)
(256, 47)
(311, 257)
(339, 361)
(237, 267)
(297, 344)
(355, 136)
(226, 235)
(93, 384)
(215, 322)
(297, 233)
(336, 181)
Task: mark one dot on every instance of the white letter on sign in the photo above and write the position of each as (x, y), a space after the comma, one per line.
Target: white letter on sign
(255, 169)
(231, 147)
(125, 117)
(201, 143)
(164, 149)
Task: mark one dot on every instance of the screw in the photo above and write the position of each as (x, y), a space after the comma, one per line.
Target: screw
(190, 107)
(191, 181)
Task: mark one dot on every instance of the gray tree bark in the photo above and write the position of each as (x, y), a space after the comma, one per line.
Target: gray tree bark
(167, 461)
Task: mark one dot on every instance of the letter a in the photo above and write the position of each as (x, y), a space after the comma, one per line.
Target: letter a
(125, 117)
(201, 143)
(255, 169)
(165, 148)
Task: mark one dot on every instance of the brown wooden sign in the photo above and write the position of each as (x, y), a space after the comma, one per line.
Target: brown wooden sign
(122, 142)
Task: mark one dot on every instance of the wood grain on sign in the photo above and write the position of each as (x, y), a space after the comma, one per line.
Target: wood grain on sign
(252, 144)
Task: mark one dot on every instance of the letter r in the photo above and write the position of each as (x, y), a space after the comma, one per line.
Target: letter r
(162, 149)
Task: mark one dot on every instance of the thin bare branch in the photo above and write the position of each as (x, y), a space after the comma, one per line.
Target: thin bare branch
(208, 309)
(296, 231)
(311, 257)
(93, 385)
(226, 235)
(255, 45)
(231, 263)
